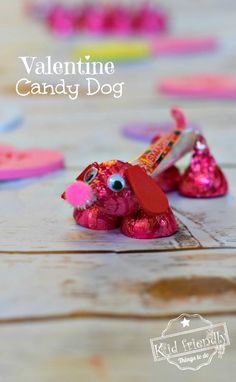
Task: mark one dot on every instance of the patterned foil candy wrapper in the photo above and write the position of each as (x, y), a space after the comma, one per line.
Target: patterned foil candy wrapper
(164, 152)
(203, 178)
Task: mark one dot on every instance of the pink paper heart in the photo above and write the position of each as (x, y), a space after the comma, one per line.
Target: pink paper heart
(16, 164)
(181, 45)
(200, 86)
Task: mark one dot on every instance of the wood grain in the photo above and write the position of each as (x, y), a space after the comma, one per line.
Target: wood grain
(98, 350)
(130, 285)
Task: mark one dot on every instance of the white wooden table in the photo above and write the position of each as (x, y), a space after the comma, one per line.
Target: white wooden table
(71, 307)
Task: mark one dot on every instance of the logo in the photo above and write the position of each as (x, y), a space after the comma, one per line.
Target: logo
(190, 342)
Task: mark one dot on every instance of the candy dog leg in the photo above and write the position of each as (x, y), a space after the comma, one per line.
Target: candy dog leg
(94, 218)
(140, 225)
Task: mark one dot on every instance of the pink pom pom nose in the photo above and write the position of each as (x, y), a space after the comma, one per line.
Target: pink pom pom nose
(79, 194)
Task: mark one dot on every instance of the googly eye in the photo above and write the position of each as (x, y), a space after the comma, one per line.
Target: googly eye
(90, 175)
(116, 183)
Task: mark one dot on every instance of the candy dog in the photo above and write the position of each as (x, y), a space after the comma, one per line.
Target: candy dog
(128, 195)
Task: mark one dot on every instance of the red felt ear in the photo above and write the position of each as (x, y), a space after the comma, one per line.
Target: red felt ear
(149, 195)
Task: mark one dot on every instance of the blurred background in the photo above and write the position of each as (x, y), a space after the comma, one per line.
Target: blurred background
(26, 29)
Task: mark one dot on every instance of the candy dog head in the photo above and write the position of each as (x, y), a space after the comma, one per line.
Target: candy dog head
(117, 188)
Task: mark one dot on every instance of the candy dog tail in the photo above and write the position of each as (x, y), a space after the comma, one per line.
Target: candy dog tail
(179, 118)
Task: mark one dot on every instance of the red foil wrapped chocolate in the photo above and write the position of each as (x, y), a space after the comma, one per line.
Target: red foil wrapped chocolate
(169, 179)
(203, 178)
(142, 226)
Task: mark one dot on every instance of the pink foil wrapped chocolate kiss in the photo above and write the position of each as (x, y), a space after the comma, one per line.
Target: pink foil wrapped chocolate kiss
(203, 178)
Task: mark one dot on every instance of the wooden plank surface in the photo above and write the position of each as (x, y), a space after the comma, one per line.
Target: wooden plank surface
(98, 350)
(119, 285)
(80, 305)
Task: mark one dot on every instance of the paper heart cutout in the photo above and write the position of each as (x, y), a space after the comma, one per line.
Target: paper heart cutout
(5, 148)
(17, 164)
(181, 45)
(200, 86)
(145, 131)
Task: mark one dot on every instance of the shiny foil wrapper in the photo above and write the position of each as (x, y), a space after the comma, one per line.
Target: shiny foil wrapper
(94, 218)
(139, 225)
(169, 179)
(184, 144)
(203, 178)
(165, 152)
